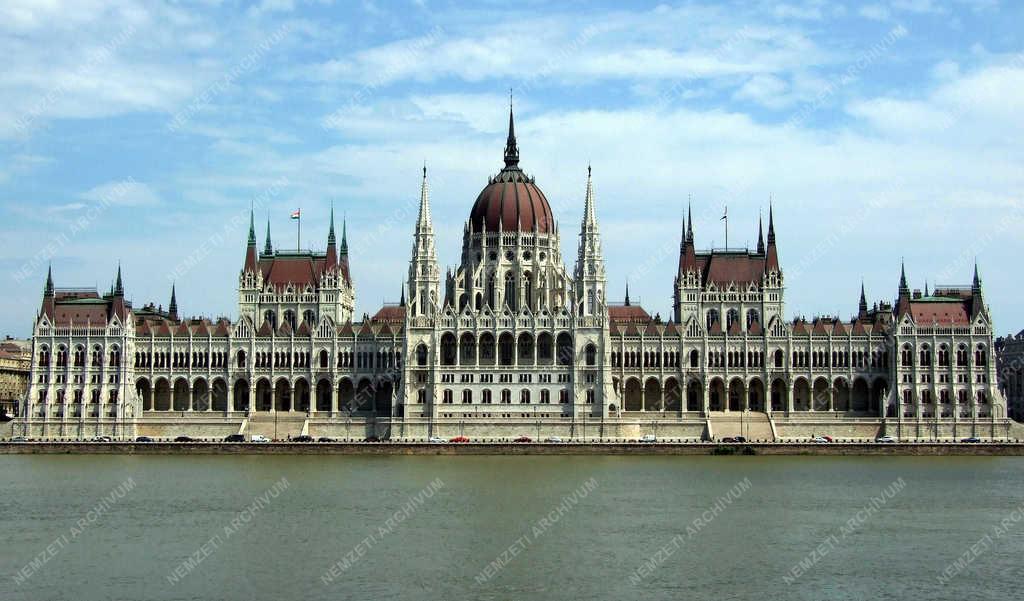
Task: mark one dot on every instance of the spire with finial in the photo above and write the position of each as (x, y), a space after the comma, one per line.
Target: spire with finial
(344, 236)
(771, 259)
(862, 308)
(423, 220)
(511, 148)
(118, 285)
(172, 309)
(904, 287)
(401, 300)
(760, 237)
(627, 293)
(252, 228)
(689, 220)
(976, 284)
(268, 248)
(687, 252)
(48, 290)
(330, 232)
(331, 258)
(926, 294)
(977, 300)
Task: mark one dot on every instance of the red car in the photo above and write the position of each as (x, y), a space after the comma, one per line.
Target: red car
(459, 439)
(523, 439)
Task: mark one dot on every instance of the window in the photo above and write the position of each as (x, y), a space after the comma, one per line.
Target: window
(590, 397)
(563, 397)
(486, 397)
(467, 397)
(545, 397)
(510, 291)
(524, 397)
(591, 355)
(421, 355)
(421, 396)
(506, 397)
(446, 396)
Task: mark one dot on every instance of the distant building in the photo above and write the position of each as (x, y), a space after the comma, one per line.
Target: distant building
(15, 365)
(1010, 372)
(511, 342)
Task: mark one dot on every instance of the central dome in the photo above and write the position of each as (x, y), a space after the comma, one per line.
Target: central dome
(511, 201)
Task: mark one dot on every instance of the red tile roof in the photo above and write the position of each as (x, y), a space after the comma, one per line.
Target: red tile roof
(950, 312)
(628, 314)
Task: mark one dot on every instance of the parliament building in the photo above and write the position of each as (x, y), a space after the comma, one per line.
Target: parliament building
(513, 343)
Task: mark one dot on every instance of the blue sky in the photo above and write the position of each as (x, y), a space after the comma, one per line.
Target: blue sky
(139, 132)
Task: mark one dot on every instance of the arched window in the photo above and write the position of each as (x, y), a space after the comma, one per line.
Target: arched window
(324, 359)
(528, 290)
(731, 317)
(524, 397)
(694, 358)
(485, 397)
(309, 316)
(241, 358)
(270, 317)
(545, 397)
(289, 318)
(446, 396)
(506, 397)
(467, 397)
(591, 355)
(753, 317)
(510, 291)
(490, 291)
(779, 357)
(980, 358)
(421, 355)
(712, 317)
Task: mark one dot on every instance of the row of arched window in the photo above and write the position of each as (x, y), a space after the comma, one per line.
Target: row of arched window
(78, 356)
(924, 356)
(505, 397)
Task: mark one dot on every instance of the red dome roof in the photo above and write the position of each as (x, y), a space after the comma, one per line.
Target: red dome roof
(512, 202)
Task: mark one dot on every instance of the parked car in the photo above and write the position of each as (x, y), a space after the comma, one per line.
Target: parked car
(820, 440)
(436, 439)
(732, 439)
(303, 438)
(143, 439)
(460, 439)
(552, 439)
(234, 438)
(648, 438)
(970, 439)
(827, 438)
(885, 439)
(371, 438)
(19, 439)
(523, 439)
(101, 439)
(184, 439)
(326, 439)
(258, 438)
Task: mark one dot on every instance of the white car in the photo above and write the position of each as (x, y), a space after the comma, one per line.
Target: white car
(885, 439)
(821, 440)
(552, 439)
(648, 438)
(259, 438)
(436, 439)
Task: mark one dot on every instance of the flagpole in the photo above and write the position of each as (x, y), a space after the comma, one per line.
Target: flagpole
(298, 233)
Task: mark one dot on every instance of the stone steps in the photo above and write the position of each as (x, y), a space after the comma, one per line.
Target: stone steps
(752, 426)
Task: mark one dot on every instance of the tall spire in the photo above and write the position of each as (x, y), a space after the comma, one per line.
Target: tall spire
(330, 232)
(862, 307)
(511, 148)
(589, 214)
(268, 248)
(771, 259)
(903, 278)
(344, 236)
(48, 290)
(687, 252)
(424, 217)
(252, 228)
(118, 286)
(977, 300)
(926, 294)
(976, 284)
(760, 237)
(627, 293)
(589, 273)
(172, 309)
(401, 301)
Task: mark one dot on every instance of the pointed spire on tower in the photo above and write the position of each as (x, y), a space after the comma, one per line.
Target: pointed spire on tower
(344, 236)
(687, 252)
(330, 232)
(977, 300)
(926, 294)
(401, 301)
(589, 213)
(903, 300)
(689, 220)
(862, 307)
(48, 290)
(903, 278)
(118, 286)
(771, 260)
(172, 309)
(760, 237)
(627, 293)
(268, 248)
(252, 228)
(423, 220)
(976, 284)
(511, 148)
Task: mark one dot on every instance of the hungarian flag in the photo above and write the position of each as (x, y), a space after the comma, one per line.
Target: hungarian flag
(296, 214)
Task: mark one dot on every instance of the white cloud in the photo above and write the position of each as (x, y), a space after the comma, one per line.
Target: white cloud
(125, 192)
(876, 12)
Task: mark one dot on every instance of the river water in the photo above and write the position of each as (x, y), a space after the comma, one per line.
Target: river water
(523, 528)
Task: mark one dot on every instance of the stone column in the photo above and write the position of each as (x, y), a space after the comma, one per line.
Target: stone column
(788, 389)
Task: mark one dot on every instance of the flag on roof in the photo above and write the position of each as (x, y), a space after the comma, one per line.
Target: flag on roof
(296, 213)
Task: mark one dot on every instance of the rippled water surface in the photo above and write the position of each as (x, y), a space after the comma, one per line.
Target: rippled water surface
(317, 527)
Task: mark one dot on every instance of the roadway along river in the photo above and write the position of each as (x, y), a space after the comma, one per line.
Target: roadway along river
(524, 528)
